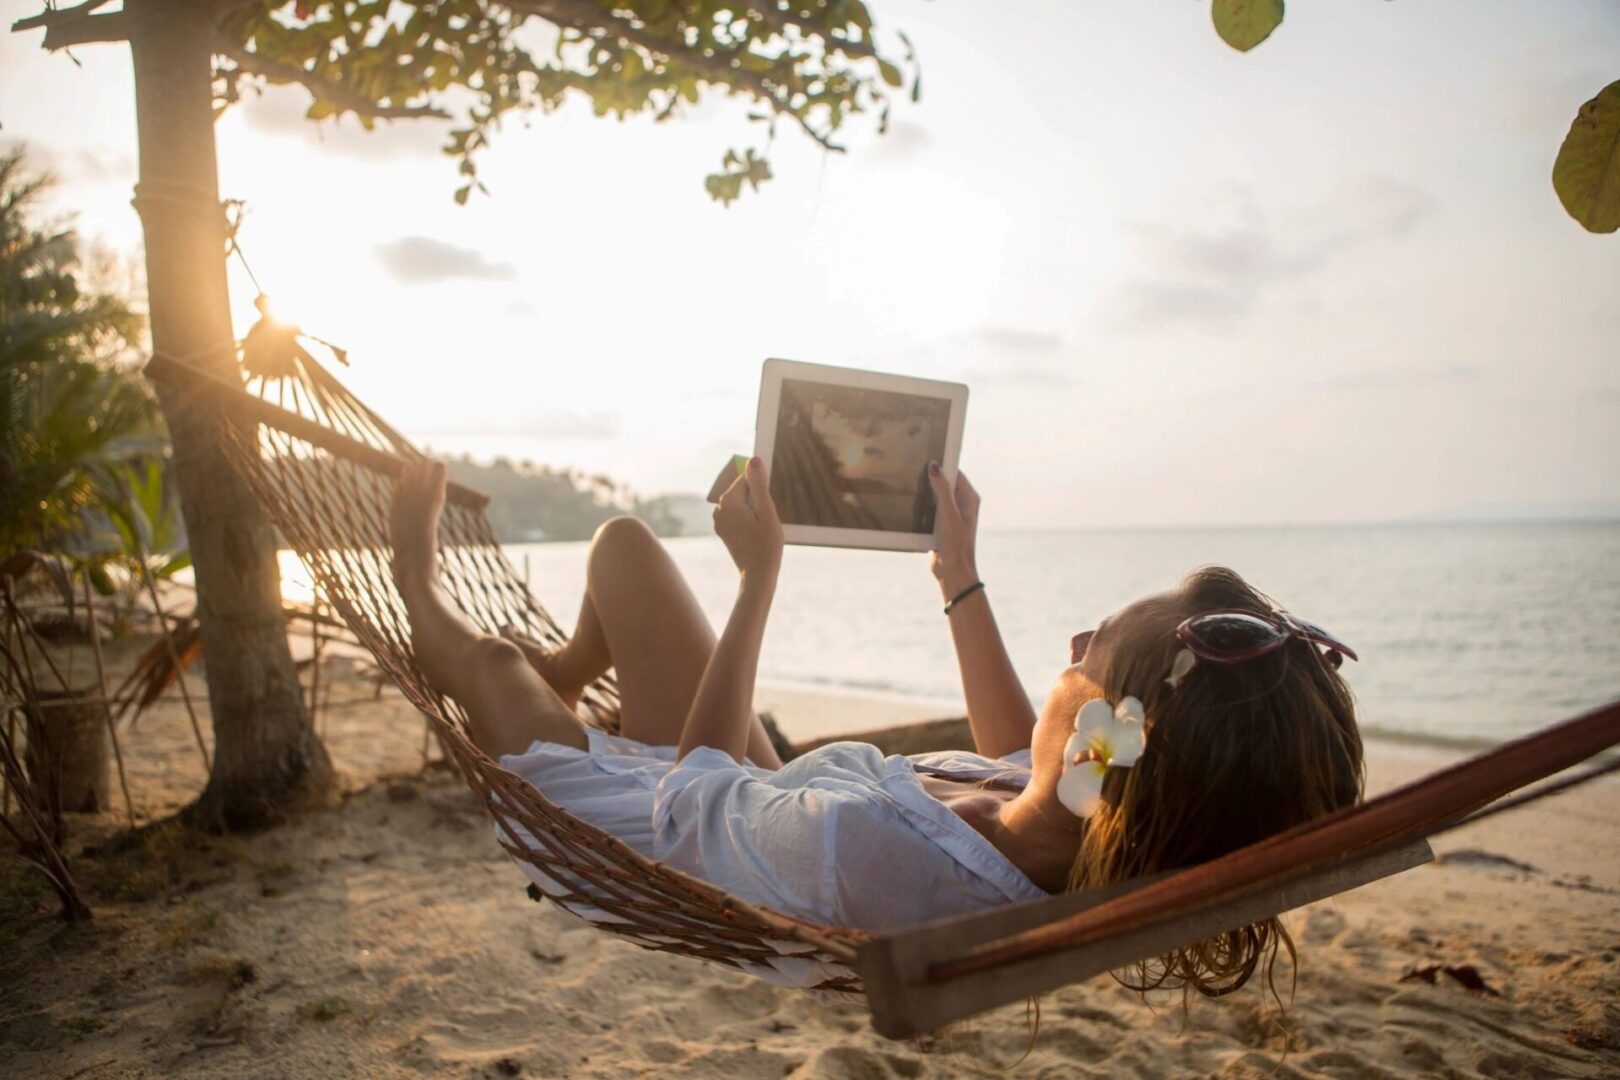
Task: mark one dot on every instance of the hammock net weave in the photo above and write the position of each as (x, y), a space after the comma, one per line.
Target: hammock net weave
(322, 464)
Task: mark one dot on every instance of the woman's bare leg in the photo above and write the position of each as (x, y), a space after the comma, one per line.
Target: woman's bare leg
(640, 618)
(575, 664)
(508, 704)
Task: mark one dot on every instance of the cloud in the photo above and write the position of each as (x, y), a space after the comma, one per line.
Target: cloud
(1010, 339)
(1017, 357)
(1005, 355)
(572, 425)
(553, 425)
(1017, 375)
(75, 165)
(1211, 276)
(281, 111)
(419, 259)
(1385, 378)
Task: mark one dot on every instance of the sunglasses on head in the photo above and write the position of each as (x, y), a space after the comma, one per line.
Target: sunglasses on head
(1231, 637)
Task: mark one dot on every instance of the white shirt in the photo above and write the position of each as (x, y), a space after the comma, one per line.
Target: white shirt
(841, 836)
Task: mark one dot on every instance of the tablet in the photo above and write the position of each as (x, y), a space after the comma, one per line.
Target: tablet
(849, 450)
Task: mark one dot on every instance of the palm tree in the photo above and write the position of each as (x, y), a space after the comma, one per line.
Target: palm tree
(65, 407)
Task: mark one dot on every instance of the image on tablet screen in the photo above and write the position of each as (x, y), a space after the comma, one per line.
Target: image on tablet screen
(853, 458)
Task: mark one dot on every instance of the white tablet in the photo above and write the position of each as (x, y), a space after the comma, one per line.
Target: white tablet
(849, 450)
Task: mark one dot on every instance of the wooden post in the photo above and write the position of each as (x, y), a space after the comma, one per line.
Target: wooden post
(67, 755)
(265, 751)
(106, 696)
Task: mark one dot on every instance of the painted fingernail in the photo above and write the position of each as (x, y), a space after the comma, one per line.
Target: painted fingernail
(933, 468)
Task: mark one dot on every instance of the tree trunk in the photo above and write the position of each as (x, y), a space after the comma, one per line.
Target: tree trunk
(266, 753)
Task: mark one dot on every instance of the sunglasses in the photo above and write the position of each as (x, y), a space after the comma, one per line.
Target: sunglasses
(1231, 637)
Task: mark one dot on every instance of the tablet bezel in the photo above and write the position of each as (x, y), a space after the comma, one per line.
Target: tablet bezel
(770, 403)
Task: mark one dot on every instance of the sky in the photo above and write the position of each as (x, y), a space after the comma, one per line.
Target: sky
(1324, 281)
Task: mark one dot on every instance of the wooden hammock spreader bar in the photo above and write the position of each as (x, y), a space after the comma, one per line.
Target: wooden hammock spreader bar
(236, 399)
(907, 1001)
(920, 979)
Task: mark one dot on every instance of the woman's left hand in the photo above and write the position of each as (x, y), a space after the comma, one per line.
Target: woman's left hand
(747, 522)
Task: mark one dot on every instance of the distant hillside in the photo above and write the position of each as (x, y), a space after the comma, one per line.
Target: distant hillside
(531, 502)
(694, 513)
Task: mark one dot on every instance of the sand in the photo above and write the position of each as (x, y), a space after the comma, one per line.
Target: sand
(388, 936)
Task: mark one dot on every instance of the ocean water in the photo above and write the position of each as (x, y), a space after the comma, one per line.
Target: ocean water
(1468, 634)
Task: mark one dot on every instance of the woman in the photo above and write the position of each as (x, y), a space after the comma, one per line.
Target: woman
(1189, 724)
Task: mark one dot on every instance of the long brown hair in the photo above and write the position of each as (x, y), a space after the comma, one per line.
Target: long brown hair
(1234, 754)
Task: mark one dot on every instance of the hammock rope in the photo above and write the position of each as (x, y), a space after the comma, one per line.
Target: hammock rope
(323, 465)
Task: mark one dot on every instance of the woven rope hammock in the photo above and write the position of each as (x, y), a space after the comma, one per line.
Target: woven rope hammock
(323, 466)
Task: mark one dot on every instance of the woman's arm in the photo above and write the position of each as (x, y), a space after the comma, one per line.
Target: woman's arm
(723, 709)
(999, 712)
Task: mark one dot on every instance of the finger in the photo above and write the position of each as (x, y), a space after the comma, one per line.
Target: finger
(759, 487)
(512, 633)
(735, 495)
(967, 497)
(943, 496)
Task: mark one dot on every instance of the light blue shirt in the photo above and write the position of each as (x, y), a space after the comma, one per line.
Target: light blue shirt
(841, 836)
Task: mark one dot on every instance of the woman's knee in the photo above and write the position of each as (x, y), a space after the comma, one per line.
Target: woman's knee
(487, 653)
(622, 536)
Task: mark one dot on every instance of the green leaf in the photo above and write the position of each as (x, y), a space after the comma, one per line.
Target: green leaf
(1243, 24)
(100, 580)
(1586, 174)
(463, 59)
(174, 565)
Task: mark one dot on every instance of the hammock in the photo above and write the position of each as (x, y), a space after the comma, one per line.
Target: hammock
(323, 464)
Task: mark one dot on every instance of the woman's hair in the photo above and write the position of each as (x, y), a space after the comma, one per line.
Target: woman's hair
(1235, 753)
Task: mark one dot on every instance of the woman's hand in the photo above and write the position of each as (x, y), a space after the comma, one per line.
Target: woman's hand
(955, 562)
(746, 522)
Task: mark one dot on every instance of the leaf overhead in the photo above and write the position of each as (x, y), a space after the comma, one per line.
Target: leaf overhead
(1586, 174)
(1243, 24)
(812, 63)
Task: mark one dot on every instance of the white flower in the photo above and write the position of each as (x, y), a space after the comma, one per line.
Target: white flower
(1103, 736)
(1185, 661)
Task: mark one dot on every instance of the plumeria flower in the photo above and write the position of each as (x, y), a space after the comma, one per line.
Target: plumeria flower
(1103, 736)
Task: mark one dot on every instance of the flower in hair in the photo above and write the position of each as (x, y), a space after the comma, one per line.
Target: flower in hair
(1105, 736)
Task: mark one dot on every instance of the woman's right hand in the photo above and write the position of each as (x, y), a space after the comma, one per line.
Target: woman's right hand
(747, 522)
(955, 562)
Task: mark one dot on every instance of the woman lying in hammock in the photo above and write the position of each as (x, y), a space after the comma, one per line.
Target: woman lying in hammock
(1190, 723)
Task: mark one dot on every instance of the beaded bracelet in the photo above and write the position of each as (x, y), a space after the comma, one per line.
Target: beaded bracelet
(963, 595)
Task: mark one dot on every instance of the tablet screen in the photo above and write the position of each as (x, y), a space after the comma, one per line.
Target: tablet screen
(851, 457)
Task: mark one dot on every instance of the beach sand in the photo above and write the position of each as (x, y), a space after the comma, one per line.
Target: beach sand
(387, 935)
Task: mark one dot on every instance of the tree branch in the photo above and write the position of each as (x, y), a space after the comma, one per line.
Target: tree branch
(66, 27)
(323, 89)
(780, 20)
(594, 22)
(57, 15)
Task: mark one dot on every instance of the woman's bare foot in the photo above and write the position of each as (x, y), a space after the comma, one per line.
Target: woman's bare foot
(549, 663)
(413, 522)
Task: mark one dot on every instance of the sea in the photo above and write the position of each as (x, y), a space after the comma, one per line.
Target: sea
(1469, 635)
